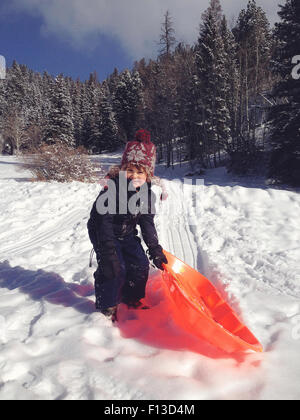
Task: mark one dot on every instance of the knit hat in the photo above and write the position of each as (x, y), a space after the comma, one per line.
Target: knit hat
(140, 151)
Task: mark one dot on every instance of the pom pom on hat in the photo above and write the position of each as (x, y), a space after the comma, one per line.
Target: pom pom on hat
(142, 136)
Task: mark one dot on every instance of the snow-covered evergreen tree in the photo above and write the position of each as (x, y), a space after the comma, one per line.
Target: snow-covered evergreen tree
(3, 102)
(46, 88)
(93, 119)
(285, 115)
(211, 72)
(60, 124)
(215, 9)
(75, 92)
(85, 112)
(89, 100)
(34, 99)
(108, 126)
(193, 121)
(231, 80)
(128, 102)
(15, 116)
(16, 87)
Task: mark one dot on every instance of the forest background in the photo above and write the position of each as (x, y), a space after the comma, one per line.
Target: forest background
(232, 98)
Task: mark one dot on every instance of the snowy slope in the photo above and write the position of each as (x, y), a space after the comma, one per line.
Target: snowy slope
(243, 236)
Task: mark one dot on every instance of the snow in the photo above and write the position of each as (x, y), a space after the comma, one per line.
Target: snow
(238, 232)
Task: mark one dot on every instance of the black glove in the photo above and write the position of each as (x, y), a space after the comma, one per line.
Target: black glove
(158, 257)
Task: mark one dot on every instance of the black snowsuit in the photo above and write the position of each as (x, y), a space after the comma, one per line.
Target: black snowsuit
(114, 237)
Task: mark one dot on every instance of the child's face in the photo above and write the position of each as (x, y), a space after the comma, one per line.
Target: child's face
(136, 175)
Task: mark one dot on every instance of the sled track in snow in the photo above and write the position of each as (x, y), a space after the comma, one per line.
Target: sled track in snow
(181, 238)
(43, 237)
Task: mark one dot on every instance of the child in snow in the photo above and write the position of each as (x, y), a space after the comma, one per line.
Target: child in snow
(125, 202)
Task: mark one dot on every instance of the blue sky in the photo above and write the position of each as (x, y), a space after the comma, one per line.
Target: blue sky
(77, 37)
(21, 39)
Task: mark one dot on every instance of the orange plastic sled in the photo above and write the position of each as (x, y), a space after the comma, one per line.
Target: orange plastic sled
(199, 308)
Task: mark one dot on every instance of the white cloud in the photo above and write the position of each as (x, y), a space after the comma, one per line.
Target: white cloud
(134, 23)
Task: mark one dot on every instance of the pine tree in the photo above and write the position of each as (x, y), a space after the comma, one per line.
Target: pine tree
(85, 114)
(285, 115)
(16, 87)
(15, 117)
(75, 92)
(46, 88)
(151, 90)
(193, 128)
(128, 102)
(94, 140)
(231, 80)
(92, 121)
(186, 110)
(211, 72)
(60, 123)
(214, 9)
(108, 125)
(34, 99)
(3, 101)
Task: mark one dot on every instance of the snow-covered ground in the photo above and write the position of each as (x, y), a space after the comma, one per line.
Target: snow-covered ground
(243, 236)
